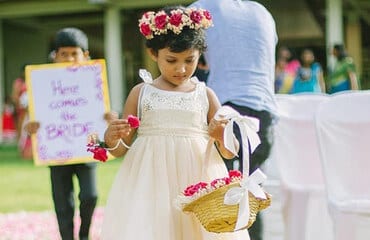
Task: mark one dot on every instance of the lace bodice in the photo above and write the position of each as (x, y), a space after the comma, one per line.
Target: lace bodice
(170, 112)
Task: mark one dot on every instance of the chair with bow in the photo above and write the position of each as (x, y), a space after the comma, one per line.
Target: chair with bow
(295, 151)
(343, 131)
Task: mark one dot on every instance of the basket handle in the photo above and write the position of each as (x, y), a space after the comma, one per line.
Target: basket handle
(249, 127)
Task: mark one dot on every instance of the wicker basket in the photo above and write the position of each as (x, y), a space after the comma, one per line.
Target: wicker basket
(215, 216)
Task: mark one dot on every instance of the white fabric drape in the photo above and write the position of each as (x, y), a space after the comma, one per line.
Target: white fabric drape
(343, 131)
(296, 153)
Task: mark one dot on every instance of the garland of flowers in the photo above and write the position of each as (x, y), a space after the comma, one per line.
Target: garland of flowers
(152, 23)
(99, 148)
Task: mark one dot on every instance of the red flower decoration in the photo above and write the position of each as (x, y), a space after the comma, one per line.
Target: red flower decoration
(196, 17)
(220, 182)
(133, 121)
(207, 15)
(145, 29)
(192, 189)
(176, 19)
(160, 21)
(235, 174)
(100, 153)
(95, 146)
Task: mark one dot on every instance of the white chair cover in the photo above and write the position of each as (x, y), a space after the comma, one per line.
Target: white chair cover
(343, 131)
(295, 150)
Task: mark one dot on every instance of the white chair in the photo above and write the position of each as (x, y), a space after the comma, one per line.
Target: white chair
(296, 153)
(343, 131)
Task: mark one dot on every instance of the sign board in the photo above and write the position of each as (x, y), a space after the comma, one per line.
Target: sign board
(69, 101)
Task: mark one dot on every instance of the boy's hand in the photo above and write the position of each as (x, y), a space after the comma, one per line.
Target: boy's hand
(32, 127)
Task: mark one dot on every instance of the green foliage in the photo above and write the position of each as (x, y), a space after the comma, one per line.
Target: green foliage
(26, 187)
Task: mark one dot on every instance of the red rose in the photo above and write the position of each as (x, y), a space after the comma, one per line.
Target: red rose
(192, 189)
(196, 16)
(145, 29)
(133, 121)
(160, 21)
(176, 19)
(207, 15)
(235, 174)
(223, 181)
(201, 185)
(99, 153)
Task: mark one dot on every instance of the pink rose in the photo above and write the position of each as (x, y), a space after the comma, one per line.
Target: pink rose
(160, 21)
(176, 19)
(133, 121)
(196, 16)
(145, 29)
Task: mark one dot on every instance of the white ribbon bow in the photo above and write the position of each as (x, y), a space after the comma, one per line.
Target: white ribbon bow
(146, 76)
(249, 127)
(239, 195)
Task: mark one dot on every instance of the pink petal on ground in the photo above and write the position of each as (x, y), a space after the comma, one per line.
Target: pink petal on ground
(42, 225)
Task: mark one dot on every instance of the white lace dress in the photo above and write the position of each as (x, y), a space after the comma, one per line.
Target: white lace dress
(166, 157)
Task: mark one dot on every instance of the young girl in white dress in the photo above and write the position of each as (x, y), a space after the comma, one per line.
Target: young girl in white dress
(167, 152)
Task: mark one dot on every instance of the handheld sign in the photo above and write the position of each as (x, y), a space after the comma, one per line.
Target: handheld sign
(69, 101)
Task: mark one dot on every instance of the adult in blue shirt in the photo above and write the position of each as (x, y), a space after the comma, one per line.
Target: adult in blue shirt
(241, 57)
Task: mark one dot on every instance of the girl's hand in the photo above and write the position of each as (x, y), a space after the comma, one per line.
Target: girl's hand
(117, 129)
(216, 128)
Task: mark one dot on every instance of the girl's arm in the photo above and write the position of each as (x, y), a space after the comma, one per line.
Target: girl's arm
(120, 128)
(216, 128)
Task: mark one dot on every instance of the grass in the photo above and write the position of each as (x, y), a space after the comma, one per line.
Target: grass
(26, 187)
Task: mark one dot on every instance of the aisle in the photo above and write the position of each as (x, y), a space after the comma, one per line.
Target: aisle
(41, 225)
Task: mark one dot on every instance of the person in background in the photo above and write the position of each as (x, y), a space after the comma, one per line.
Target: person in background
(71, 45)
(241, 58)
(309, 77)
(343, 76)
(8, 126)
(285, 70)
(19, 99)
(202, 70)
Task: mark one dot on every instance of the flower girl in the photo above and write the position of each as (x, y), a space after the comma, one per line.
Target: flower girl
(166, 152)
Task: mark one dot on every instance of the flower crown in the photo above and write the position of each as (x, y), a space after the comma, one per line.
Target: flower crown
(152, 23)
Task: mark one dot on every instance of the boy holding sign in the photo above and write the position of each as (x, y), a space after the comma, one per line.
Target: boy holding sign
(71, 45)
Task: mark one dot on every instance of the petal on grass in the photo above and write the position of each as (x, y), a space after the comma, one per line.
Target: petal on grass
(42, 225)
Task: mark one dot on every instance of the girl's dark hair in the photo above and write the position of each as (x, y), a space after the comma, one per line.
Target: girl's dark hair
(187, 39)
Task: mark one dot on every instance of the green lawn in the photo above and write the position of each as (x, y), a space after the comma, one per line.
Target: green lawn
(26, 187)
